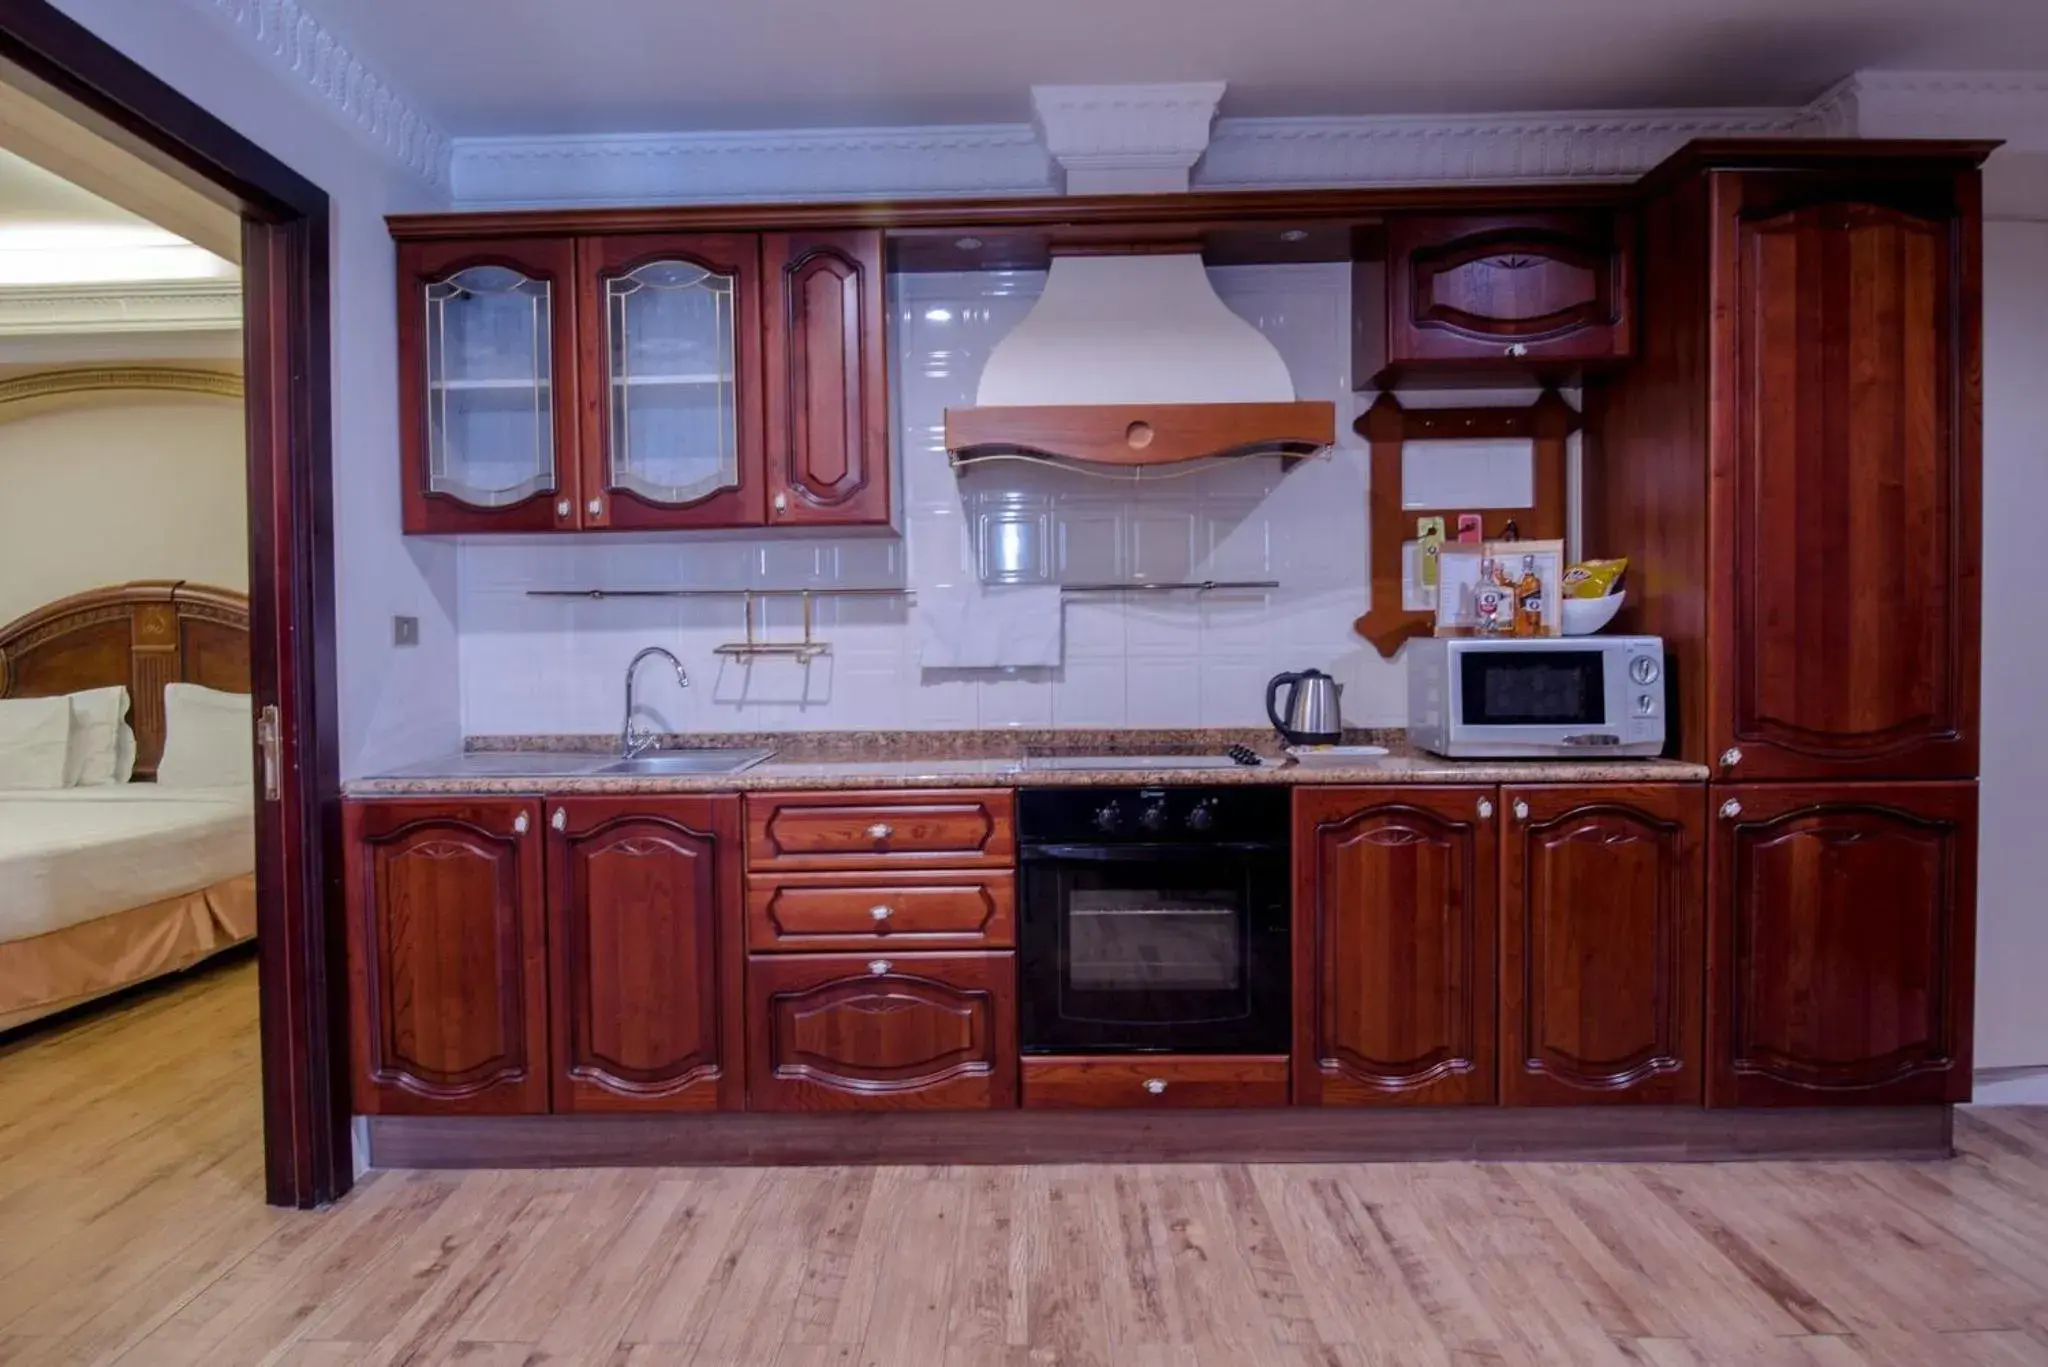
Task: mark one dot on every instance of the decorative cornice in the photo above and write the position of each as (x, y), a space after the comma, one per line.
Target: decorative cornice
(2012, 105)
(294, 38)
(1497, 149)
(1126, 138)
(678, 168)
(40, 391)
(171, 306)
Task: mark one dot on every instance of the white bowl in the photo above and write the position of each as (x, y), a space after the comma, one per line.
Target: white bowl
(1584, 616)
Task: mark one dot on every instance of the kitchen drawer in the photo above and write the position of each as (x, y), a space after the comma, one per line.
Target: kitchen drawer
(875, 1032)
(1150, 1081)
(881, 911)
(932, 828)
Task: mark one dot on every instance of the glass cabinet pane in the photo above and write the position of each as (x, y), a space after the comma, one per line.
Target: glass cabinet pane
(674, 414)
(490, 386)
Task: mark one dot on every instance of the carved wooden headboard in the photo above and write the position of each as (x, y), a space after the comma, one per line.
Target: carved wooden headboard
(144, 634)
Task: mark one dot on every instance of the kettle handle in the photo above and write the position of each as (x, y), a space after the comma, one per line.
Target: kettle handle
(1272, 692)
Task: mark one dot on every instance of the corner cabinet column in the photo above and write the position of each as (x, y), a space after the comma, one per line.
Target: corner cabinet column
(644, 902)
(827, 367)
(447, 957)
(1394, 946)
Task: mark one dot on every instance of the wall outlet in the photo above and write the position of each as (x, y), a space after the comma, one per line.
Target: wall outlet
(405, 631)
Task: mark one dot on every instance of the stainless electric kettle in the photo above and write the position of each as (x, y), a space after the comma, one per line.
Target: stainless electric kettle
(1311, 716)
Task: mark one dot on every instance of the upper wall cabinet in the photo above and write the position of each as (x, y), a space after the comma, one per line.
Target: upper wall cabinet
(1493, 298)
(487, 392)
(828, 398)
(672, 425)
(644, 381)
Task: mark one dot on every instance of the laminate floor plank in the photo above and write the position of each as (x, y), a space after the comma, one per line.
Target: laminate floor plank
(132, 1234)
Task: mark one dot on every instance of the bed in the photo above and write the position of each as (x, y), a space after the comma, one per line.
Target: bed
(108, 886)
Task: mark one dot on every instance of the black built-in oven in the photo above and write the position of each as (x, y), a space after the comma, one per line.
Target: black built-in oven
(1153, 920)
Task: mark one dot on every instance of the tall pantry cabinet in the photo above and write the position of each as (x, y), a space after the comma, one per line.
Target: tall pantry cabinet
(1793, 466)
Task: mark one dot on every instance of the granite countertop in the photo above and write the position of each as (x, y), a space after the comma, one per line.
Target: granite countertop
(1004, 759)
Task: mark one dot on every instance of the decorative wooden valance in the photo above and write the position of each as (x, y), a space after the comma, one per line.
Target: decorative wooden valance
(1388, 427)
(1142, 434)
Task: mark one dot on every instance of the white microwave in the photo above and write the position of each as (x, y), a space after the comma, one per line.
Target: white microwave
(1550, 697)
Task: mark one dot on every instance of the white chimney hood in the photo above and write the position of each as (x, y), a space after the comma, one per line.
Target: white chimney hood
(1129, 357)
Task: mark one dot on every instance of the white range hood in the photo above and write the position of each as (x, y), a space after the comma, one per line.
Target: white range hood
(1129, 358)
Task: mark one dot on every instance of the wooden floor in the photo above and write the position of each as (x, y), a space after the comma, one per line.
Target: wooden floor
(132, 1230)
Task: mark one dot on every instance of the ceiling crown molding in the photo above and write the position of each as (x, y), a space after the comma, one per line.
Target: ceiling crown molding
(42, 391)
(1126, 138)
(70, 310)
(801, 164)
(2012, 105)
(293, 38)
(1494, 148)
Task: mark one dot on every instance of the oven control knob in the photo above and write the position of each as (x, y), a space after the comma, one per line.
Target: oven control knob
(1153, 818)
(1108, 817)
(1202, 815)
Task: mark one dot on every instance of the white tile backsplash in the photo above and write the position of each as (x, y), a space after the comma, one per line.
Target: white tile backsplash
(555, 665)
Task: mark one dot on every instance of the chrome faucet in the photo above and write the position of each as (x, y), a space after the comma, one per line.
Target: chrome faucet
(632, 742)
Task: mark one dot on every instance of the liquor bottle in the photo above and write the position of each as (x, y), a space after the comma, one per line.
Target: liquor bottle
(1492, 602)
(1529, 600)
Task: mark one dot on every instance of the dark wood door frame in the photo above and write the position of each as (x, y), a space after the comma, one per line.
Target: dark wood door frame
(307, 1157)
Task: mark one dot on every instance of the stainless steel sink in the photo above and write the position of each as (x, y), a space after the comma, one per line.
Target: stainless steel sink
(659, 763)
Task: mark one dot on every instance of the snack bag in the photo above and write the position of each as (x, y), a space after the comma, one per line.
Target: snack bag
(1594, 578)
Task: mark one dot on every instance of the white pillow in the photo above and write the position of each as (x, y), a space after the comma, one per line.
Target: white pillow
(124, 754)
(96, 725)
(35, 737)
(209, 737)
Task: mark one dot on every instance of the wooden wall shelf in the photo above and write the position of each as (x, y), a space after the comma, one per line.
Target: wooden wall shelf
(1141, 434)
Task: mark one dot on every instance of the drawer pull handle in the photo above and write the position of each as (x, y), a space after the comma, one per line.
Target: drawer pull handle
(1155, 1085)
(1518, 348)
(560, 820)
(878, 967)
(519, 824)
(880, 914)
(1730, 809)
(1485, 809)
(881, 830)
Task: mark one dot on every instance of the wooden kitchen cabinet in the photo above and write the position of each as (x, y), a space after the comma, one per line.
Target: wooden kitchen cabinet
(827, 378)
(1847, 476)
(671, 346)
(446, 942)
(1841, 943)
(487, 385)
(1494, 297)
(902, 1032)
(1394, 929)
(645, 954)
(1602, 944)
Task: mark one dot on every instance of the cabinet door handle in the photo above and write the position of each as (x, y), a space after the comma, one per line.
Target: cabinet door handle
(881, 830)
(1486, 809)
(1730, 809)
(1730, 757)
(878, 967)
(1155, 1085)
(782, 503)
(595, 507)
(519, 824)
(1521, 810)
(563, 508)
(880, 914)
(560, 820)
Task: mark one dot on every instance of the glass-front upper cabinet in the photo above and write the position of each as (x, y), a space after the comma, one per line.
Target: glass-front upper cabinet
(488, 384)
(673, 324)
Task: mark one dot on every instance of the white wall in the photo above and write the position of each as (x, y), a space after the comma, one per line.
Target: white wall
(394, 704)
(122, 490)
(2012, 930)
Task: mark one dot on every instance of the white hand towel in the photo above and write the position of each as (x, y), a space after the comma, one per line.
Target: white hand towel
(995, 627)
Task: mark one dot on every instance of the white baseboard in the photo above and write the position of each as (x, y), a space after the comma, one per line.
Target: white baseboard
(2011, 1087)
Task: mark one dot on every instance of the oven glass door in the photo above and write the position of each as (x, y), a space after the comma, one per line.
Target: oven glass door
(1141, 947)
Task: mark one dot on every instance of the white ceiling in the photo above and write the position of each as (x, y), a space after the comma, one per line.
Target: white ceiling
(31, 195)
(482, 67)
